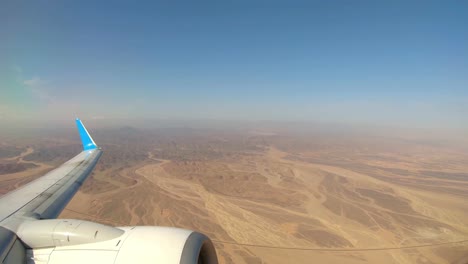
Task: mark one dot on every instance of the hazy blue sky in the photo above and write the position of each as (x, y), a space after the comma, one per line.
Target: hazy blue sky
(340, 61)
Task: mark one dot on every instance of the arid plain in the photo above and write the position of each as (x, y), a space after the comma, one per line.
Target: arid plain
(269, 195)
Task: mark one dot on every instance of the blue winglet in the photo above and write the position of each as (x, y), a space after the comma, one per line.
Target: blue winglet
(86, 139)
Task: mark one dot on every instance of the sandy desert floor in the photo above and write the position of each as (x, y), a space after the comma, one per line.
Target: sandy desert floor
(265, 198)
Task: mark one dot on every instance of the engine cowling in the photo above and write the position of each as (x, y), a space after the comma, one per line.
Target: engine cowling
(139, 244)
(166, 245)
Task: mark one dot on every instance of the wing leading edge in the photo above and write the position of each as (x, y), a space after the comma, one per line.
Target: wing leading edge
(47, 196)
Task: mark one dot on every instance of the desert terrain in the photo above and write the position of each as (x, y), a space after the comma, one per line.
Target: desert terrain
(267, 195)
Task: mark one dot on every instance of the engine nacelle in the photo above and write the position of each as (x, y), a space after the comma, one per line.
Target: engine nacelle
(64, 232)
(123, 245)
(166, 245)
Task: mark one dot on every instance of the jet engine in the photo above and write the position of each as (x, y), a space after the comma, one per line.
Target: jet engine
(76, 241)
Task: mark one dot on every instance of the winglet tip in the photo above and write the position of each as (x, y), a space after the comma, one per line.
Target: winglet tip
(86, 139)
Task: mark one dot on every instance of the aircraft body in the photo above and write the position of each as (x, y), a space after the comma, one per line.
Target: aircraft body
(29, 232)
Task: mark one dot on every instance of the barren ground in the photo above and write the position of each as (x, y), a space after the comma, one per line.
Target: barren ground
(270, 198)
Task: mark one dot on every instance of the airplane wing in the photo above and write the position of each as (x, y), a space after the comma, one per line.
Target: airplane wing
(29, 232)
(46, 197)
